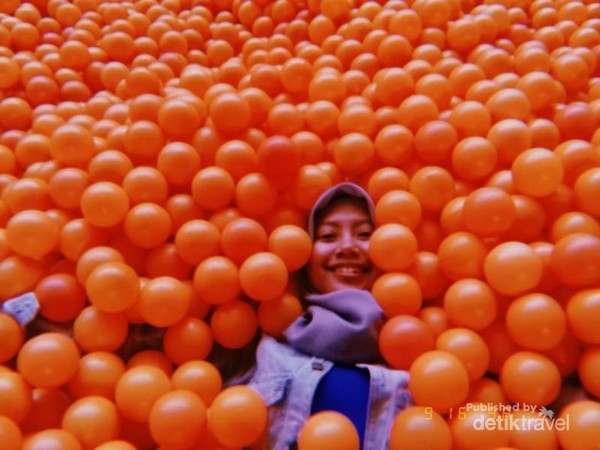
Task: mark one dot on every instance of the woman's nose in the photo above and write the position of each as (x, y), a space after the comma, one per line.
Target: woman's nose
(347, 243)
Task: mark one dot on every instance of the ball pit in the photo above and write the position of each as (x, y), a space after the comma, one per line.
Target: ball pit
(157, 162)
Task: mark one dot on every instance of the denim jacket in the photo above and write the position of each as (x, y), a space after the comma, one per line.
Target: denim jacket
(287, 379)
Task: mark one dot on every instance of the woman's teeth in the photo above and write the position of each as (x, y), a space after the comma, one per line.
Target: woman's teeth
(348, 271)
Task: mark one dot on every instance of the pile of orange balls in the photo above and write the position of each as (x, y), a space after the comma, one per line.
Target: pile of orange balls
(158, 159)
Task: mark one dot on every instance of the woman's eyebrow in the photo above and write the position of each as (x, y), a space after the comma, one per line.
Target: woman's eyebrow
(330, 223)
(336, 223)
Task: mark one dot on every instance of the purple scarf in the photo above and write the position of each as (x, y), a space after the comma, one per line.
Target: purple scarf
(341, 326)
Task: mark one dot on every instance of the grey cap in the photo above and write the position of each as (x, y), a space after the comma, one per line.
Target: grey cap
(345, 189)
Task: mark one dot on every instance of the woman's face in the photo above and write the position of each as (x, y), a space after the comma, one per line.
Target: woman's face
(340, 258)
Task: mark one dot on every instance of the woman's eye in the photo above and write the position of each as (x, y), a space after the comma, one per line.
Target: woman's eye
(327, 237)
(365, 234)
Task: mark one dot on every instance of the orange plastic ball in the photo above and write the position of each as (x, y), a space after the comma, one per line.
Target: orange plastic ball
(403, 339)
(237, 408)
(420, 427)
(417, 111)
(385, 180)
(178, 162)
(164, 301)
(179, 119)
(241, 238)
(138, 389)
(576, 156)
(92, 258)
(327, 86)
(147, 225)
(234, 324)
(326, 429)
(584, 417)
(197, 240)
(536, 322)
(439, 380)
(216, 280)
(470, 118)
(19, 274)
(61, 297)
(292, 244)
(177, 419)
(538, 164)
(466, 435)
(394, 144)
(468, 347)
(354, 153)
(470, 303)
(92, 420)
(575, 260)
(586, 189)
(488, 211)
(509, 103)
(32, 233)
(181, 209)
(279, 159)
(153, 358)
(255, 195)
(436, 141)
(230, 113)
(398, 206)
(72, 145)
(263, 276)
(10, 434)
(48, 360)
(461, 255)
(435, 318)
(10, 72)
(276, 315)
(433, 186)
(397, 293)
(113, 287)
(145, 184)
(474, 158)
(52, 439)
(104, 204)
(393, 247)
(47, 409)
(310, 183)
(530, 378)
(12, 337)
(66, 187)
(513, 268)
(588, 367)
(116, 445)
(527, 436)
(96, 330)
(335, 10)
(97, 374)
(199, 377)
(237, 157)
(213, 188)
(582, 309)
(187, 340)
(16, 396)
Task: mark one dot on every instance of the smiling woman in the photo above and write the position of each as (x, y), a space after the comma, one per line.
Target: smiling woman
(329, 359)
(341, 243)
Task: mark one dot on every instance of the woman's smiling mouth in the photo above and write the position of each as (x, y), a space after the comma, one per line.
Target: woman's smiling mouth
(349, 270)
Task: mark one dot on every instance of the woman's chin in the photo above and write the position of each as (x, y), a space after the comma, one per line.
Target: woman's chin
(363, 282)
